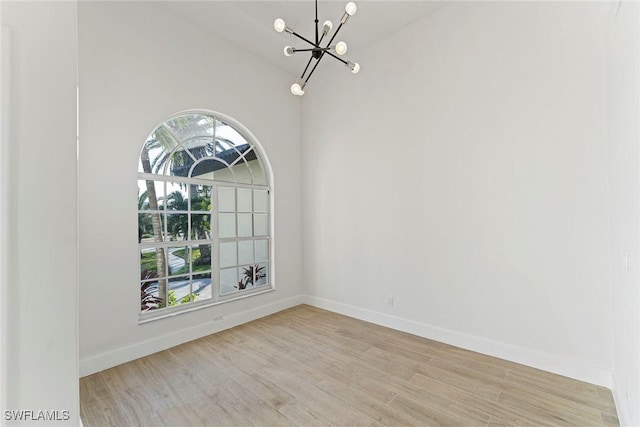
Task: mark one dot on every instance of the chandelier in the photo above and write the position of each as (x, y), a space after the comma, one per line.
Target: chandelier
(317, 51)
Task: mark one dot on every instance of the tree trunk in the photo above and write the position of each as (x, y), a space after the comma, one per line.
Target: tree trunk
(157, 227)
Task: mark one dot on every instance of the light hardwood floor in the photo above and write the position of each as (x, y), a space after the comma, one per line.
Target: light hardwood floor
(305, 367)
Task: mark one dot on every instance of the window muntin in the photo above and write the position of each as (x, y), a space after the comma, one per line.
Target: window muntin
(203, 215)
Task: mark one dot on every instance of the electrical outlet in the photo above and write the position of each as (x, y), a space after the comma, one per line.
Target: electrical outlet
(390, 301)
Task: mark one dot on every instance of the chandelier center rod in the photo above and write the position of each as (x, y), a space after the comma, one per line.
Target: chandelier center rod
(317, 41)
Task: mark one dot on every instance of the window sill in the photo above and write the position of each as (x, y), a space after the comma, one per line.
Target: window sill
(154, 315)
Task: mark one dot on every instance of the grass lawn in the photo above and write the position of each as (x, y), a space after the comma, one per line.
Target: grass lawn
(148, 260)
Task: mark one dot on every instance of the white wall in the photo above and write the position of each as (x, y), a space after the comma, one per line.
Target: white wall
(464, 172)
(138, 64)
(623, 98)
(42, 350)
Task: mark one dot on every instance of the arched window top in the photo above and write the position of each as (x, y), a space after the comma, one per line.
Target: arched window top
(202, 146)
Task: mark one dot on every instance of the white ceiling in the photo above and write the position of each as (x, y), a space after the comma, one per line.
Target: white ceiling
(249, 24)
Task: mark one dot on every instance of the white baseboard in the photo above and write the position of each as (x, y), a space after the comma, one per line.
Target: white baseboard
(121, 355)
(545, 361)
(619, 399)
(536, 359)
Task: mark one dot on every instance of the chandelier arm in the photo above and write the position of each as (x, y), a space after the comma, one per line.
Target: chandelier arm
(314, 68)
(313, 49)
(302, 38)
(337, 57)
(306, 68)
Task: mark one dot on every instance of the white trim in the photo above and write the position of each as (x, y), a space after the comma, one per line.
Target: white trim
(619, 399)
(4, 206)
(548, 362)
(109, 359)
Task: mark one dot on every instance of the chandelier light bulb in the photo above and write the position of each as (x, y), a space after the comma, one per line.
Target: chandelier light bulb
(350, 8)
(279, 25)
(341, 48)
(354, 66)
(326, 27)
(296, 89)
(288, 51)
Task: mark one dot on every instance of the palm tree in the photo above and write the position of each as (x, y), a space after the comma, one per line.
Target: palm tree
(144, 221)
(156, 224)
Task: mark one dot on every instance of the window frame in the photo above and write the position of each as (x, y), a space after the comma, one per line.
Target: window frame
(217, 297)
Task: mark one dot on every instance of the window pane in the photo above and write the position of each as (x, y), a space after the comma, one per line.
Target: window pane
(245, 252)
(189, 126)
(150, 227)
(262, 250)
(178, 259)
(179, 290)
(202, 286)
(200, 226)
(155, 152)
(244, 200)
(179, 163)
(149, 296)
(245, 275)
(200, 147)
(260, 201)
(146, 199)
(152, 263)
(244, 225)
(226, 199)
(260, 224)
(200, 198)
(228, 254)
(212, 169)
(262, 274)
(259, 177)
(177, 226)
(201, 258)
(253, 275)
(177, 198)
(227, 225)
(242, 172)
(228, 280)
(231, 136)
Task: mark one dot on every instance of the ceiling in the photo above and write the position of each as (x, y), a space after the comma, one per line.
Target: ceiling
(249, 24)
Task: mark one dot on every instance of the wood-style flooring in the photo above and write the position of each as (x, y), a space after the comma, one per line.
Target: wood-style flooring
(306, 367)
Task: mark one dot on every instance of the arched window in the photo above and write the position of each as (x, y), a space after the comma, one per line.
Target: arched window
(203, 214)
